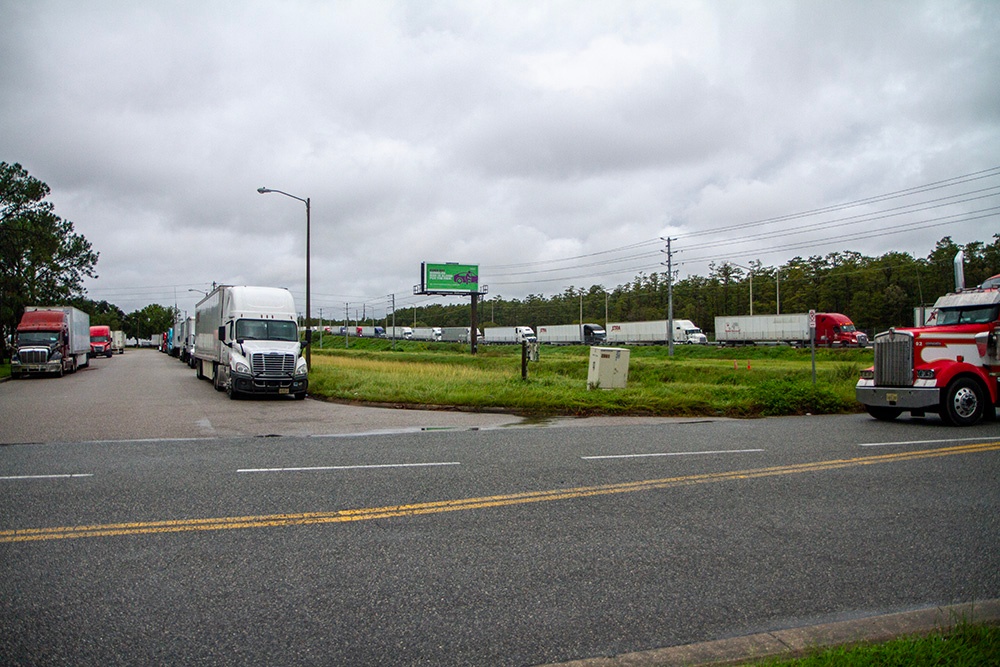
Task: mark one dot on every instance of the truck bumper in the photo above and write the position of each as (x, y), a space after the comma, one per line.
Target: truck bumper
(906, 398)
(246, 384)
(17, 368)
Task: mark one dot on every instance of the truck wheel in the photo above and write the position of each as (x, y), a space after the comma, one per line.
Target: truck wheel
(300, 396)
(883, 413)
(231, 392)
(217, 378)
(963, 403)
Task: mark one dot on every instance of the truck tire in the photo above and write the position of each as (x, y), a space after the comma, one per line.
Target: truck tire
(300, 396)
(231, 391)
(217, 378)
(964, 402)
(883, 413)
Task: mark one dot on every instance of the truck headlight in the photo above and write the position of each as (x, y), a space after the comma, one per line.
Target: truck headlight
(926, 374)
(240, 367)
(301, 370)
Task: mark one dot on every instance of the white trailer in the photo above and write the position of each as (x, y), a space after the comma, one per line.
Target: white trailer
(118, 342)
(458, 334)
(426, 333)
(654, 332)
(791, 329)
(247, 342)
(572, 334)
(508, 335)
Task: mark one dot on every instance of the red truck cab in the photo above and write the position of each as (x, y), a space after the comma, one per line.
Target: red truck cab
(950, 366)
(100, 341)
(837, 330)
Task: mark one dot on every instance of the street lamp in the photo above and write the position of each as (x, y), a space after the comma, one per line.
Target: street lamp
(305, 201)
(751, 283)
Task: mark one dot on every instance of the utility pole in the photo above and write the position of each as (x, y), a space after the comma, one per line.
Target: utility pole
(392, 298)
(321, 327)
(347, 323)
(670, 298)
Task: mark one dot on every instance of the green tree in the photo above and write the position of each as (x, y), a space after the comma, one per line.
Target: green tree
(42, 260)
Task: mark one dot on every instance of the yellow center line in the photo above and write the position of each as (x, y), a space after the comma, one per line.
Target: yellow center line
(436, 507)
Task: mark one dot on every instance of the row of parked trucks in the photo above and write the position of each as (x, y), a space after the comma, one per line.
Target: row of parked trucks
(59, 339)
(831, 330)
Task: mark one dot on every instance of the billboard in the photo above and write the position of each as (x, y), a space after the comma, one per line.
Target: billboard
(449, 277)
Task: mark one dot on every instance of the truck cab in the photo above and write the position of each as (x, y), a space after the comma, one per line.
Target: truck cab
(951, 366)
(100, 341)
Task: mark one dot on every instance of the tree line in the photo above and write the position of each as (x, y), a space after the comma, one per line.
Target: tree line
(875, 292)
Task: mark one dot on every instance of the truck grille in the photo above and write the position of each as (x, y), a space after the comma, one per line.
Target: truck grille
(893, 360)
(33, 356)
(273, 363)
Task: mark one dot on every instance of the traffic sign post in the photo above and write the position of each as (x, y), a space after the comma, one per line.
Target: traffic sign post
(812, 341)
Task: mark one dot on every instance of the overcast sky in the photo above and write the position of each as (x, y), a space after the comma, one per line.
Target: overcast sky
(530, 138)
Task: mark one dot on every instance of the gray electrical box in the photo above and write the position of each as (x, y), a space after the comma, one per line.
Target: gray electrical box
(608, 368)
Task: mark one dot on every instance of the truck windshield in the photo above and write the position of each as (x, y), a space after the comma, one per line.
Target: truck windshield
(980, 315)
(45, 338)
(99, 339)
(266, 330)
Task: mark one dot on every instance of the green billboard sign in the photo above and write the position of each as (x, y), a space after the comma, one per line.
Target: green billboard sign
(450, 277)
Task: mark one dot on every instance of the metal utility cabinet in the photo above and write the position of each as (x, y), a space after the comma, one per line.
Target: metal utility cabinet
(608, 368)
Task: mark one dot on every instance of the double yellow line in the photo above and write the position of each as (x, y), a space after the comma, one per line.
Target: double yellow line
(506, 500)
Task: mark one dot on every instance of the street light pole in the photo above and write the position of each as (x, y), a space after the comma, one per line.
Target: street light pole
(750, 269)
(305, 201)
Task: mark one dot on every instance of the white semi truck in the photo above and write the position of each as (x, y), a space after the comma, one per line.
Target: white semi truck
(508, 335)
(655, 333)
(247, 342)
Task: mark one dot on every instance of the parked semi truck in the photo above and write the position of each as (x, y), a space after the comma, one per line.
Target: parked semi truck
(399, 333)
(832, 330)
(51, 339)
(247, 342)
(100, 341)
(426, 333)
(572, 334)
(508, 335)
(458, 334)
(951, 366)
(654, 333)
(369, 332)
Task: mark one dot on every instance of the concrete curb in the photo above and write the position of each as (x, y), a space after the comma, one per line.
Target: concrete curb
(796, 642)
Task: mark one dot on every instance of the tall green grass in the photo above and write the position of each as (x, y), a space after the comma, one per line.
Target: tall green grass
(696, 381)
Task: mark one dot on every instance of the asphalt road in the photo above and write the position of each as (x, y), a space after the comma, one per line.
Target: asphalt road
(420, 541)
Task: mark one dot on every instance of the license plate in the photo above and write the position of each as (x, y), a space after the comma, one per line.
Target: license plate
(892, 398)
(282, 390)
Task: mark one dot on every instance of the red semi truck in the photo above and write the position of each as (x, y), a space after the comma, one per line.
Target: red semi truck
(52, 339)
(100, 341)
(951, 366)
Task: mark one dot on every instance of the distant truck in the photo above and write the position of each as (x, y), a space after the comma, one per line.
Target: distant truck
(832, 330)
(572, 334)
(118, 341)
(399, 333)
(508, 335)
(247, 342)
(53, 339)
(655, 333)
(426, 333)
(458, 334)
(369, 332)
(100, 341)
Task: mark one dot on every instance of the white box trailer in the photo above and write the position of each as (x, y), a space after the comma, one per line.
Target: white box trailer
(792, 329)
(118, 342)
(426, 333)
(247, 341)
(508, 335)
(571, 334)
(459, 334)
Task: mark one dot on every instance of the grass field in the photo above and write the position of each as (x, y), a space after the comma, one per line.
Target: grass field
(696, 381)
